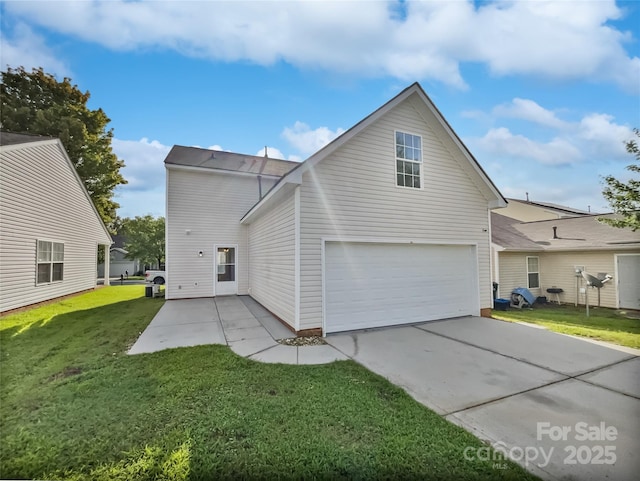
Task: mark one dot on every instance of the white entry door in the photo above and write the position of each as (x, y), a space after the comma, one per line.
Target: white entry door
(375, 285)
(628, 281)
(226, 282)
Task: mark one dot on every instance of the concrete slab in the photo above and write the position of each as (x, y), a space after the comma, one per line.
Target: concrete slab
(247, 333)
(512, 425)
(240, 323)
(157, 338)
(443, 374)
(323, 354)
(186, 311)
(247, 347)
(278, 354)
(543, 348)
(232, 308)
(623, 377)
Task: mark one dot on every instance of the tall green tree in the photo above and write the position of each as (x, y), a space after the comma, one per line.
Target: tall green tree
(624, 197)
(36, 102)
(144, 238)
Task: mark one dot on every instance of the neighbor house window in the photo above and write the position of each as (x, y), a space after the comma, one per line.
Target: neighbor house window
(408, 160)
(50, 262)
(533, 273)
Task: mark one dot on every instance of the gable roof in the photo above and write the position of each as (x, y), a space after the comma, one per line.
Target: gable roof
(573, 233)
(37, 141)
(295, 175)
(14, 138)
(227, 161)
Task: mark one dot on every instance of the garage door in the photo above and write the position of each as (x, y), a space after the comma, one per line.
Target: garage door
(629, 281)
(375, 285)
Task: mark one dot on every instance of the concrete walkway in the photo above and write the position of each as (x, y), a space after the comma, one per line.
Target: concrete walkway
(237, 321)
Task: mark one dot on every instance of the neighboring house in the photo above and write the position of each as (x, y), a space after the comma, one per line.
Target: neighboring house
(50, 231)
(527, 211)
(546, 254)
(120, 264)
(388, 224)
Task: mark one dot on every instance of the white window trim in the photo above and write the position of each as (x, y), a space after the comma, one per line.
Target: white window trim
(396, 158)
(533, 272)
(50, 262)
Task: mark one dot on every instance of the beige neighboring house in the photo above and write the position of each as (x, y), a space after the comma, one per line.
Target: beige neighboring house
(358, 235)
(50, 231)
(546, 254)
(527, 211)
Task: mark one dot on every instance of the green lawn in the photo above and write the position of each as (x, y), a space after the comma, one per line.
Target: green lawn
(602, 324)
(73, 405)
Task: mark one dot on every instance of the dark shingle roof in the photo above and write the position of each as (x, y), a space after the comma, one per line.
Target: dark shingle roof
(12, 138)
(506, 235)
(229, 161)
(574, 233)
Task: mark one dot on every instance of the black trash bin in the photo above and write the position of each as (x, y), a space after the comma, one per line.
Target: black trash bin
(148, 291)
(495, 290)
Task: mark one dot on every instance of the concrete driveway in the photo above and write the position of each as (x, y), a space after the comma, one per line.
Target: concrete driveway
(563, 407)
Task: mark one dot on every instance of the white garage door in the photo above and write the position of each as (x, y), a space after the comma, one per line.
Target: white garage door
(375, 285)
(629, 281)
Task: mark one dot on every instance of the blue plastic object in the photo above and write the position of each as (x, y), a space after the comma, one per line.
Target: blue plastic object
(526, 293)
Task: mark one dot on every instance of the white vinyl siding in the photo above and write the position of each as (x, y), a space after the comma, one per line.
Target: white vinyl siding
(353, 193)
(272, 260)
(204, 209)
(513, 273)
(41, 198)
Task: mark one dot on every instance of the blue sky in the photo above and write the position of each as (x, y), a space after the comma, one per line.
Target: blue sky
(543, 93)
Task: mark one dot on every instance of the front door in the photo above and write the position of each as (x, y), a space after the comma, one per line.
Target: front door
(226, 276)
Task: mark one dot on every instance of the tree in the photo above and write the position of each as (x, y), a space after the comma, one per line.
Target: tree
(144, 238)
(35, 102)
(624, 198)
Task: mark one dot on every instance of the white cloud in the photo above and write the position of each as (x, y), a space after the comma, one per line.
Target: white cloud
(557, 151)
(529, 110)
(26, 49)
(557, 40)
(144, 167)
(308, 141)
(594, 138)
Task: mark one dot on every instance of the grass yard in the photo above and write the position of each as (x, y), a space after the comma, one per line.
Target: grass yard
(73, 405)
(602, 324)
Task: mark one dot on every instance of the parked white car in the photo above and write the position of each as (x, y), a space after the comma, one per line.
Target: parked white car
(156, 277)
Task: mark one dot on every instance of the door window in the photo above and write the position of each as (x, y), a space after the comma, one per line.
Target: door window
(226, 264)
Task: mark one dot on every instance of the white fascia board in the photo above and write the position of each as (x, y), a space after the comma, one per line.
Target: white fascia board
(499, 200)
(58, 143)
(294, 181)
(295, 176)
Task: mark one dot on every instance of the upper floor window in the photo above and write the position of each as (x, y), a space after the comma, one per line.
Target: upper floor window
(408, 160)
(50, 266)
